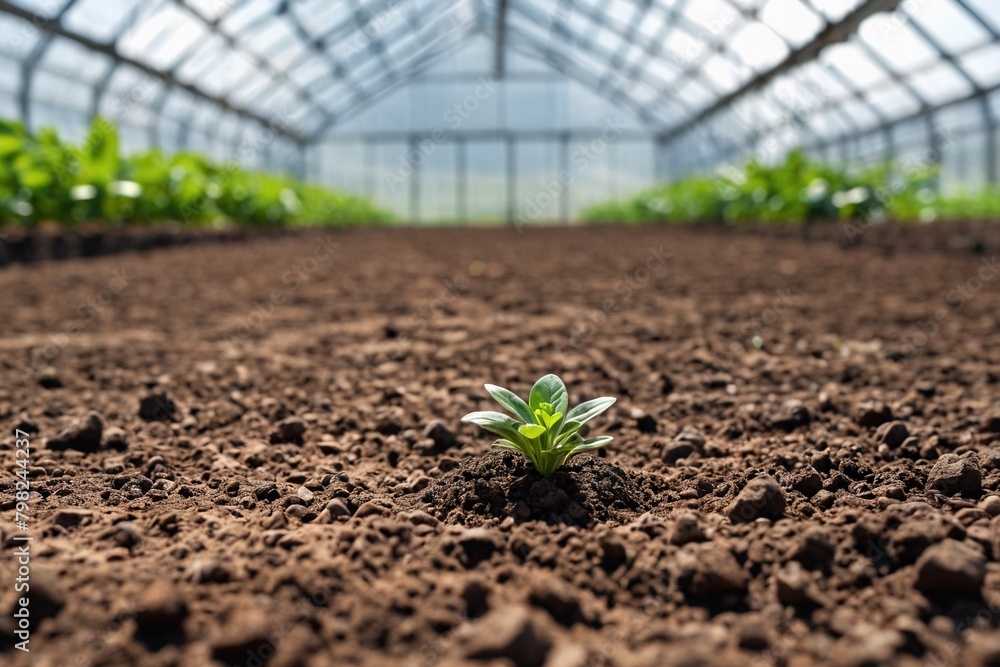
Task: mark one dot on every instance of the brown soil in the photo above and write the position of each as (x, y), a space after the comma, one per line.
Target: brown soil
(263, 481)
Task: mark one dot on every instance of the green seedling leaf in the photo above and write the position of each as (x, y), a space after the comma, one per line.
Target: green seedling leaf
(545, 432)
(505, 444)
(494, 422)
(512, 402)
(594, 443)
(531, 430)
(546, 419)
(549, 389)
(586, 411)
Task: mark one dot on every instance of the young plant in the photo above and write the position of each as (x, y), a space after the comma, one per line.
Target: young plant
(543, 430)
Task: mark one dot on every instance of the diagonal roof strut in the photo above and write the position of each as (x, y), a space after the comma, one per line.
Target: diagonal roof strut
(56, 28)
(832, 34)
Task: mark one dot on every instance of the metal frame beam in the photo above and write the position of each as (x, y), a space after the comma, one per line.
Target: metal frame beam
(54, 27)
(500, 39)
(856, 94)
(390, 81)
(403, 136)
(832, 34)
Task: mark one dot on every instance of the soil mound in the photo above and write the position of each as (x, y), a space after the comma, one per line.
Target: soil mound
(586, 491)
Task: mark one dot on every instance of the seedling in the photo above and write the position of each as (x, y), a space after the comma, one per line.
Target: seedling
(543, 430)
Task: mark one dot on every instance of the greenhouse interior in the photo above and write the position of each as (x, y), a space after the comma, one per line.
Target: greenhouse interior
(471, 111)
(500, 333)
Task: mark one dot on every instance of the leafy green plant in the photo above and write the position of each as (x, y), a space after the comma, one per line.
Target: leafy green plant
(543, 429)
(799, 190)
(43, 179)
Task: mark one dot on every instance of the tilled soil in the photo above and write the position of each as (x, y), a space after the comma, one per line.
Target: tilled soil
(251, 454)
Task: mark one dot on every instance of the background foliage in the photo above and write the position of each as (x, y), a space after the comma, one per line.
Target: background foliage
(44, 179)
(799, 190)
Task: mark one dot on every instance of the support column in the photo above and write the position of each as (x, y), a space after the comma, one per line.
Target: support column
(368, 165)
(511, 180)
(890, 143)
(613, 168)
(992, 168)
(462, 180)
(414, 181)
(564, 175)
(301, 161)
(660, 160)
(932, 150)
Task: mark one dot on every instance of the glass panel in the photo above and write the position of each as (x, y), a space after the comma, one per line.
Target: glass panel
(792, 20)
(724, 74)
(834, 10)
(438, 201)
(898, 44)
(247, 13)
(201, 62)
(272, 38)
(941, 84)
(983, 65)
(210, 9)
(950, 27)
(693, 94)
(75, 61)
(72, 124)
(653, 24)
(964, 163)
(827, 124)
(860, 113)
(103, 19)
(821, 81)
(960, 118)
(988, 10)
(178, 103)
(61, 91)
(250, 89)
(19, 37)
(309, 72)
(47, 8)
(758, 46)
(894, 101)
(165, 39)
(994, 101)
(10, 75)
(854, 65)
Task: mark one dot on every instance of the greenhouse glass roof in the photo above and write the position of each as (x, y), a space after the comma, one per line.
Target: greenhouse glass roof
(831, 67)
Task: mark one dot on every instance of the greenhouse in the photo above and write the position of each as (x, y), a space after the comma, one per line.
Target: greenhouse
(500, 333)
(484, 101)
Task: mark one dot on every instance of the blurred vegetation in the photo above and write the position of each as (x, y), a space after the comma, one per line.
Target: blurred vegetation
(44, 179)
(799, 190)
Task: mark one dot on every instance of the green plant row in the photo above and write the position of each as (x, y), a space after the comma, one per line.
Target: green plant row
(798, 190)
(43, 179)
